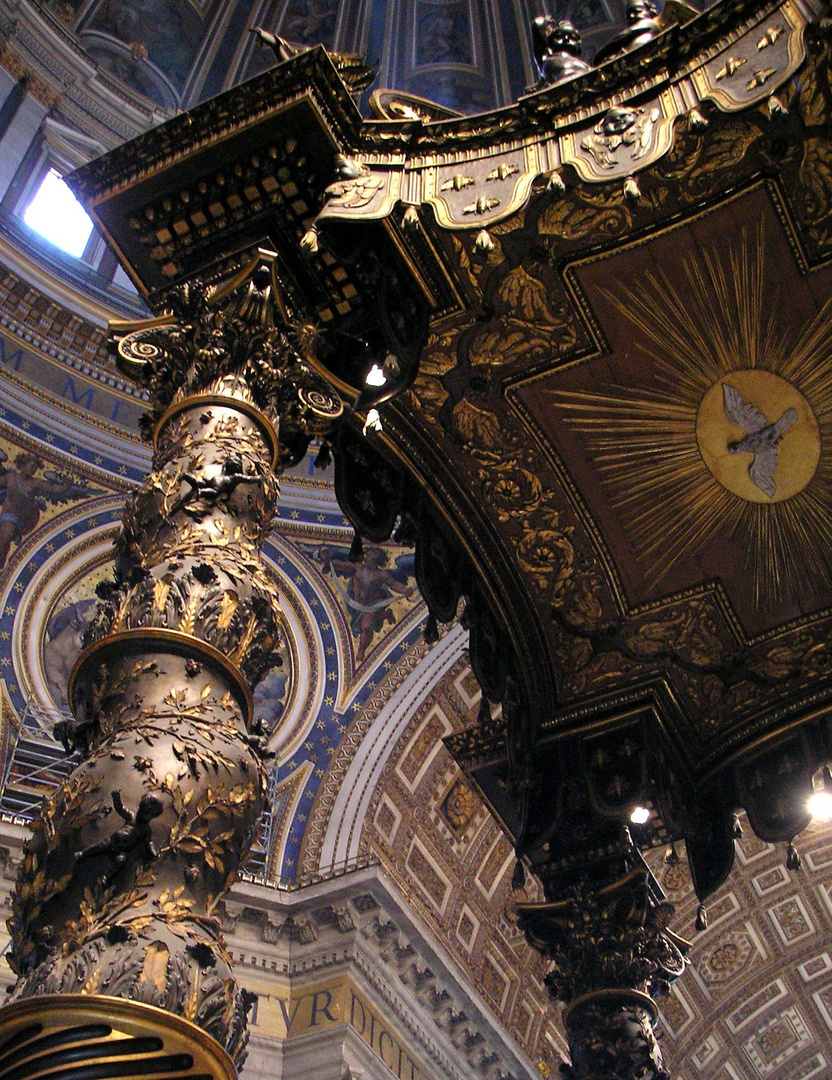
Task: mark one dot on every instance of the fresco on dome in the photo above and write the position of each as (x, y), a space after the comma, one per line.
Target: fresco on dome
(168, 32)
(31, 492)
(270, 696)
(466, 91)
(376, 593)
(585, 14)
(443, 33)
(128, 65)
(310, 22)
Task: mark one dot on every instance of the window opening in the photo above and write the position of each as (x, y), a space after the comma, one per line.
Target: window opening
(56, 215)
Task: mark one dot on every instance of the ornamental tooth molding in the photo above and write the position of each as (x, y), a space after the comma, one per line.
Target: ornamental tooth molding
(458, 1024)
(46, 95)
(86, 93)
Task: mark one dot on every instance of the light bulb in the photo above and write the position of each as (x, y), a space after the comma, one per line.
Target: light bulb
(375, 376)
(640, 815)
(820, 806)
(373, 421)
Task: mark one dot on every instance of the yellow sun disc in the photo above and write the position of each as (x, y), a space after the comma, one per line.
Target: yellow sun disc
(798, 449)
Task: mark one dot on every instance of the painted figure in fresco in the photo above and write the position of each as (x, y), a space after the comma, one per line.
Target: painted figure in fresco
(311, 22)
(24, 495)
(168, 31)
(371, 589)
(269, 697)
(444, 34)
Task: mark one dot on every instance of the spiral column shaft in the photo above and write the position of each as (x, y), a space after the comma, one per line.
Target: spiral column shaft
(119, 886)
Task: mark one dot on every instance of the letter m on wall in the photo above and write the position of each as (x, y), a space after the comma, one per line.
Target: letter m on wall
(7, 358)
(82, 398)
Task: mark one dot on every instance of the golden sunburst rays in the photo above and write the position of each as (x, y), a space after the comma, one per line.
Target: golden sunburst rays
(709, 321)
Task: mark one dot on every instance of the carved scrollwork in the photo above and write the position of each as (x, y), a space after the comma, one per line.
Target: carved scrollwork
(321, 408)
(135, 351)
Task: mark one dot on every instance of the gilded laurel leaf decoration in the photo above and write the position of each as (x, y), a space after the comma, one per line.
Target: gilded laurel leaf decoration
(494, 346)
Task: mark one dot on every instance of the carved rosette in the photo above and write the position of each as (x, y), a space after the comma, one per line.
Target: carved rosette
(118, 887)
(611, 952)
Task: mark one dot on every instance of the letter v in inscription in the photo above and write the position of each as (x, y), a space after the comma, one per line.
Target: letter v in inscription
(288, 1020)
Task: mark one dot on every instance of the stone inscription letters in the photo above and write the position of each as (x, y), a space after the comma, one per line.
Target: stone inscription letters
(291, 1016)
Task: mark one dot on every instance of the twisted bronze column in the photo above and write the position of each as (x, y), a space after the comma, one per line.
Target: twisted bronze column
(612, 953)
(119, 886)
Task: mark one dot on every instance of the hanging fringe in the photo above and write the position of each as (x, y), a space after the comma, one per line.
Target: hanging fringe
(484, 716)
(696, 121)
(672, 855)
(431, 631)
(518, 878)
(701, 918)
(483, 243)
(324, 456)
(631, 189)
(356, 550)
(793, 859)
(736, 828)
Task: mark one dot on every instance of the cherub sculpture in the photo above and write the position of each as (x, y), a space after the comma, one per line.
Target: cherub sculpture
(206, 490)
(134, 835)
(557, 50)
(643, 25)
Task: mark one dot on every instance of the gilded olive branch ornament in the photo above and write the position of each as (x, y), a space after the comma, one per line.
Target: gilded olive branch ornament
(118, 887)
